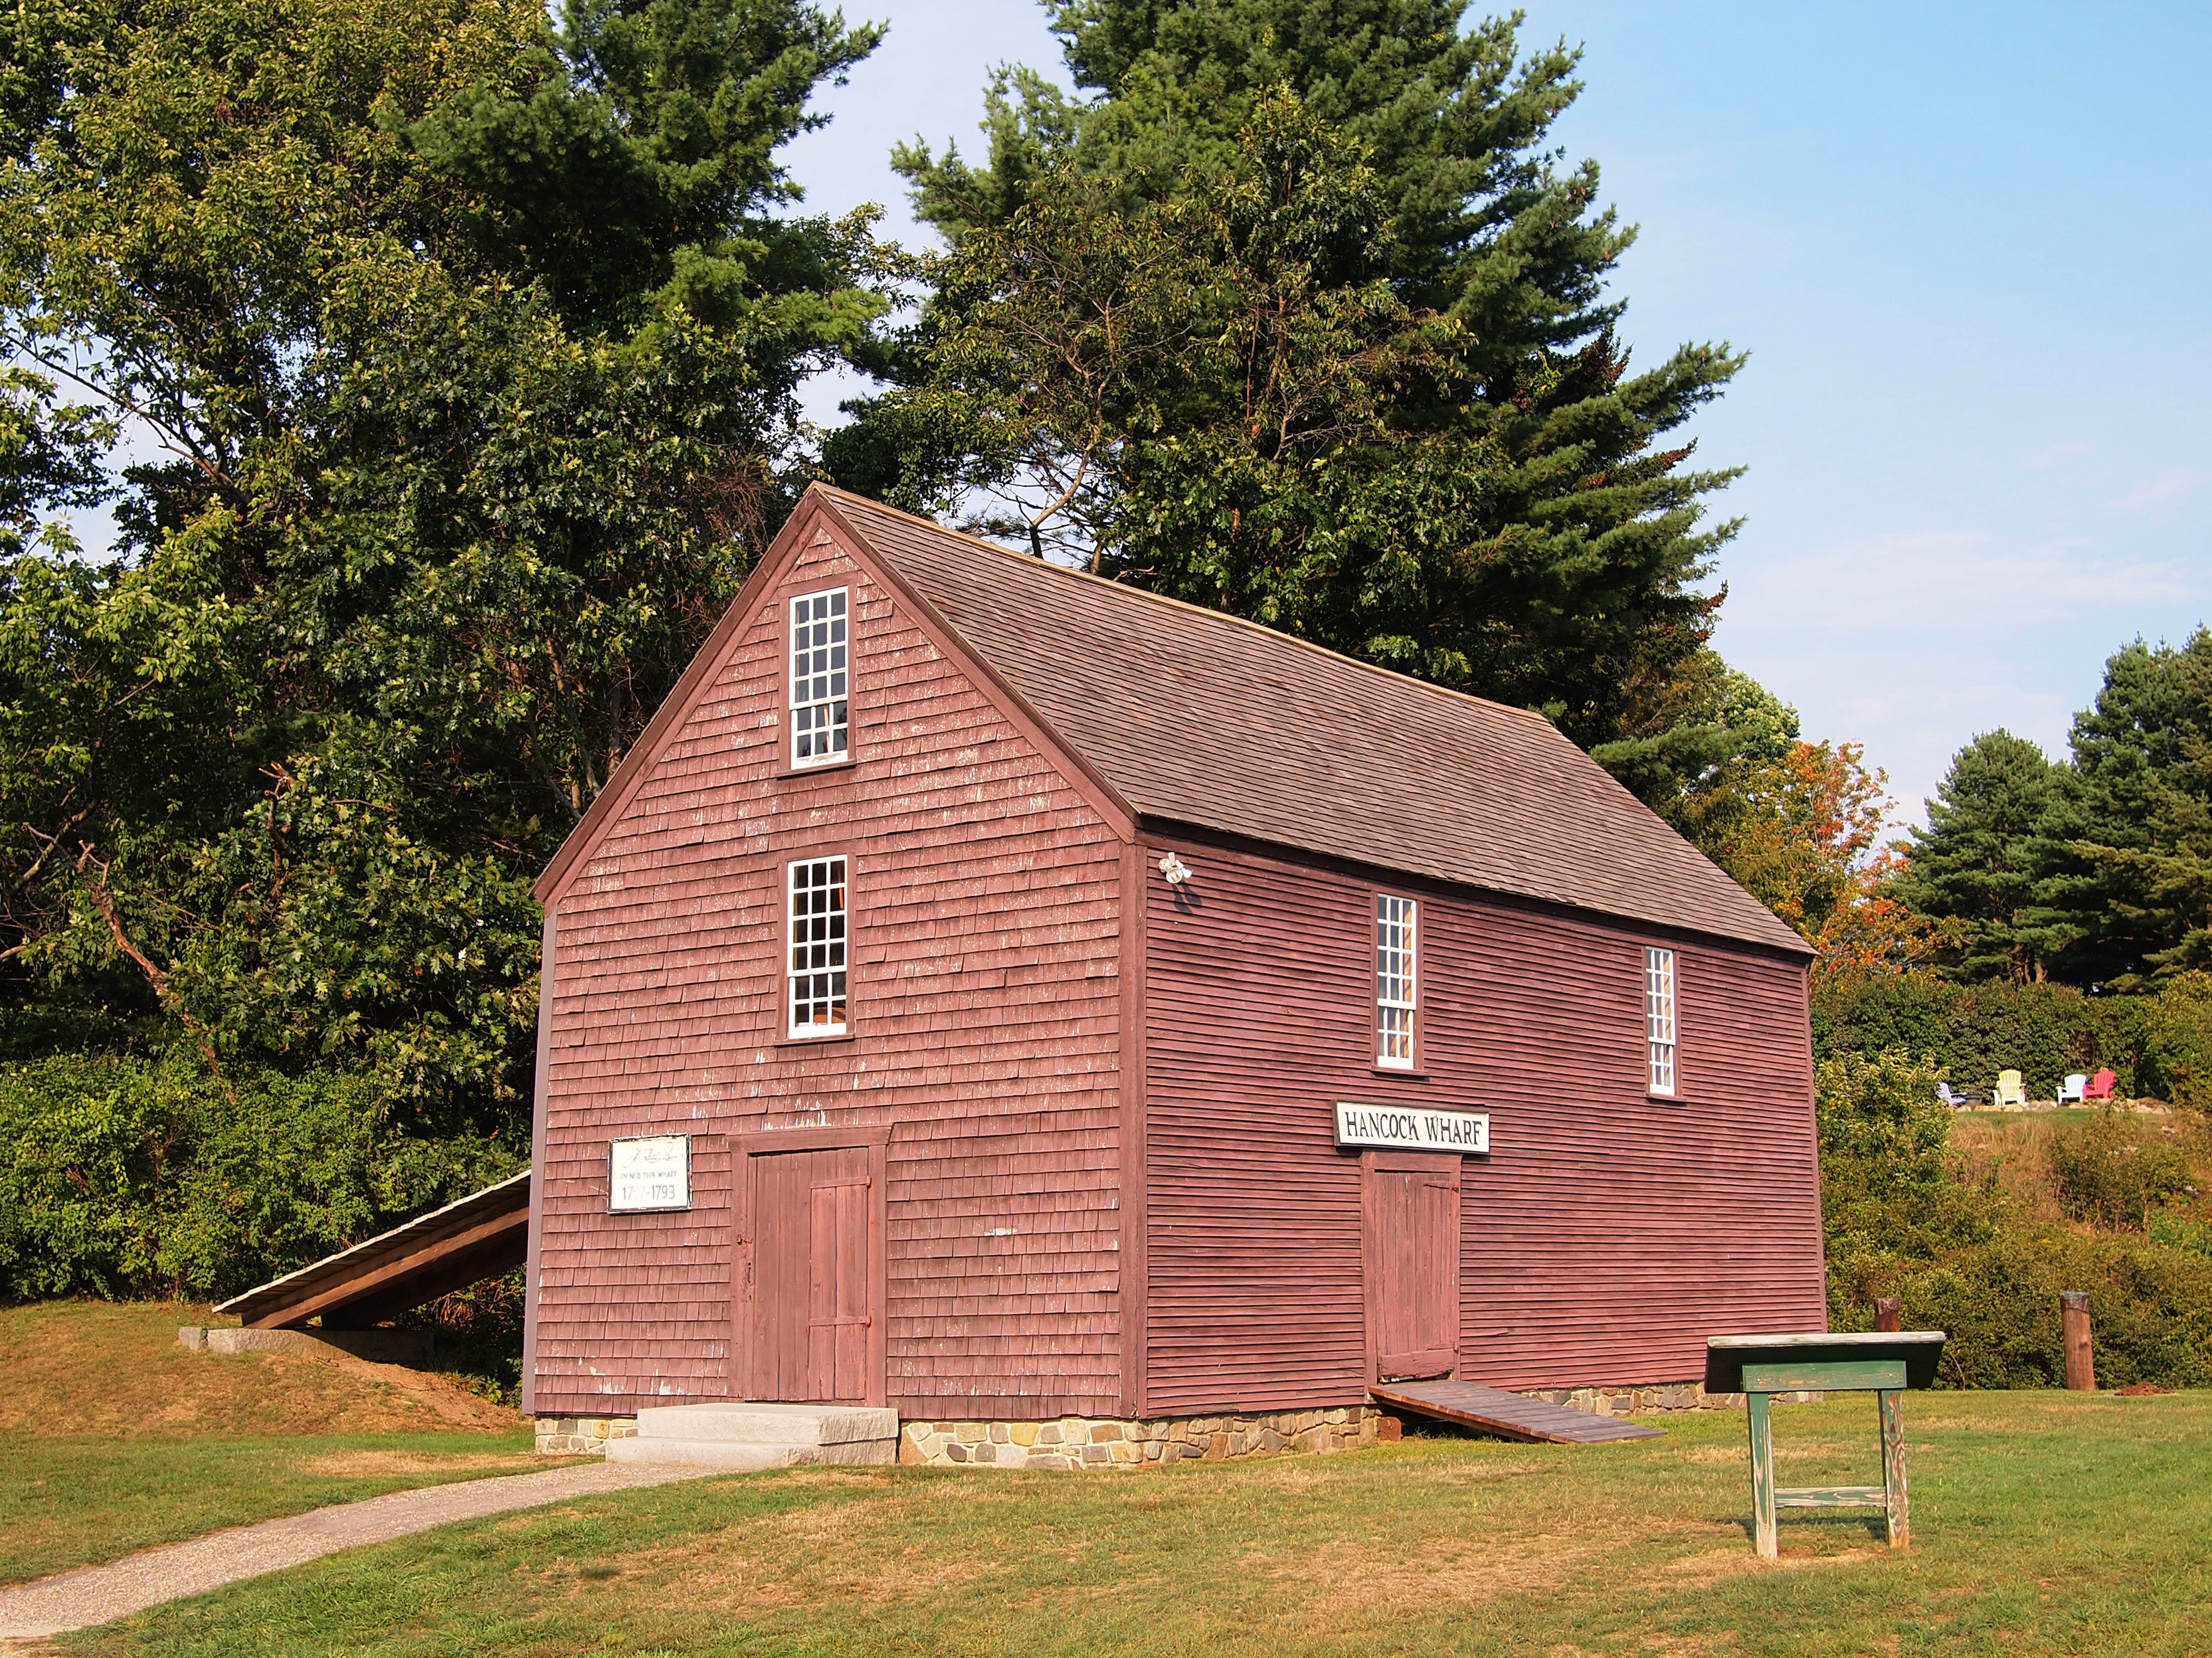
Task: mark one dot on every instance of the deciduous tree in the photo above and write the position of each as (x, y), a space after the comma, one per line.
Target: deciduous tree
(459, 356)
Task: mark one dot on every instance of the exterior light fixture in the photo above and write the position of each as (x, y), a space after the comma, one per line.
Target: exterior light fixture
(1173, 871)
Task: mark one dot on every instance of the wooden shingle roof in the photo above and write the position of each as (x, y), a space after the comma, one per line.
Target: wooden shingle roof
(1201, 718)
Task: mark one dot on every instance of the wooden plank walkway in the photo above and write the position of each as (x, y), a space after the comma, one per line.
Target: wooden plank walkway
(1512, 1416)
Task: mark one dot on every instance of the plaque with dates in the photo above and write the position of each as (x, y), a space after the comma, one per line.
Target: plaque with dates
(649, 1174)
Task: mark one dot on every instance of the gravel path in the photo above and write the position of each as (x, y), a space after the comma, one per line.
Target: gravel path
(97, 1595)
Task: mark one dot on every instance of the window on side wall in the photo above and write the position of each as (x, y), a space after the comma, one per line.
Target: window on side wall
(1660, 1024)
(820, 725)
(1396, 994)
(818, 933)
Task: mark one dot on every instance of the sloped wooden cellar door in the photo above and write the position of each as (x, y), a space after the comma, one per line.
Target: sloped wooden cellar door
(1410, 1209)
(814, 1279)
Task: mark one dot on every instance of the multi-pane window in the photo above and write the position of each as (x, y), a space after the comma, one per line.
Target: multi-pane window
(818, 947)
(1659, 1017)
(1394, 991)
(820, 727)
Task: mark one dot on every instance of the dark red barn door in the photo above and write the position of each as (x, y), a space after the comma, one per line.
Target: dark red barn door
(1411, 1201)
(813, 1257)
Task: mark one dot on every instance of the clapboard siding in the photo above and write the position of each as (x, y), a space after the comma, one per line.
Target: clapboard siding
(1606, 1235)
(985, 986)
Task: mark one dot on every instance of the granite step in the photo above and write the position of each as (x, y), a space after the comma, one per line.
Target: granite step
(740, 1435)
(743, 1457)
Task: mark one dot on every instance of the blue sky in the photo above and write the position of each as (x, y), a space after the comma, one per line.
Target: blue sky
(1969, 249)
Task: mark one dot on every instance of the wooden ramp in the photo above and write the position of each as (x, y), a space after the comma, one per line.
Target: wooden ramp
(1512, 1416)
(482, 1235)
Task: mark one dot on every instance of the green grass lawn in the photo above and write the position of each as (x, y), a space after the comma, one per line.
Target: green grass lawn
(118, 1439)
(2044, 1523)
(77, 1502)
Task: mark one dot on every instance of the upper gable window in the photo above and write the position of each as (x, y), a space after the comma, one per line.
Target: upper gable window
(820, 720)
(1395, 995)
(1659, 1017)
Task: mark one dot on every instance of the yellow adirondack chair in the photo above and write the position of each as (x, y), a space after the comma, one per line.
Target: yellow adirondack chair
(2009, 1089)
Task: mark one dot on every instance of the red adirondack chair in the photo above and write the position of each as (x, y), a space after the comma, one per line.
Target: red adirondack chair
(2100, 1086)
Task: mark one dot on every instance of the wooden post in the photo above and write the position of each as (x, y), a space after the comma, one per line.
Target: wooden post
(1894, 1501)
(2080, 1360)
(1762, 1475)
(1888, 1313)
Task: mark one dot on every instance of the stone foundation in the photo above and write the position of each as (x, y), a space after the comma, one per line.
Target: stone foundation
(1075, 1442)
(582, 1435)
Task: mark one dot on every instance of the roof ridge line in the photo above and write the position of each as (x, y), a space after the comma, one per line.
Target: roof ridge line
(873, 505)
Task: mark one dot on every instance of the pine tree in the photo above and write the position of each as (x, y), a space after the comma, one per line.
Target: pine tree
(2125, 861)
(1974, 866)
(1697, 734)
(1474, 223)
(1295, 318)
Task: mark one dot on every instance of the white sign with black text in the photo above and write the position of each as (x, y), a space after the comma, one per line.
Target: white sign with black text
(1410, 1128)
(645, 1174)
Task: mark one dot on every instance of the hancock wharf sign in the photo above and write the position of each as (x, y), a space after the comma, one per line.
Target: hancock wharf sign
(1405, 1128)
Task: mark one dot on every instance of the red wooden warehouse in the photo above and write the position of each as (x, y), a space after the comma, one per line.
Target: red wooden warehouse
(1000, 994)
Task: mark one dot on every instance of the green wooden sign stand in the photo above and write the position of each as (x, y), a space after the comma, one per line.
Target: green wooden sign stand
(1881, 1363)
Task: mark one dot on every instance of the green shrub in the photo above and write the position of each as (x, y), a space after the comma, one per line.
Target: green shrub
(2178, 1041)
(2180, 1232)
(2115, 1172)
(2150, 1309)
(1972, 1032)
(123, 1176)
(1905, 1218)
(1887, 1186)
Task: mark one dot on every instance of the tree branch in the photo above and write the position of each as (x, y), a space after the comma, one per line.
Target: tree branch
(104, 901)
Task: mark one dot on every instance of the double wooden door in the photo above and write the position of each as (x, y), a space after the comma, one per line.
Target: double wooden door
(813, 1277)
(1411, 1216)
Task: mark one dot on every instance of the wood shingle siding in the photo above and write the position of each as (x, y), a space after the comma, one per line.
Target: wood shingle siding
(1097, 1108)
(986, 1018)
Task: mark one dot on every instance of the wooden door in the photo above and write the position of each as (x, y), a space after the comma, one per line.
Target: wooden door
(813, 1276)
(1410, 1202)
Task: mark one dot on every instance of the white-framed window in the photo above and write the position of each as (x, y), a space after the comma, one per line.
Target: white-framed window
(820, 716)
(818, 920)
(1659, 1020)
(1395, 993)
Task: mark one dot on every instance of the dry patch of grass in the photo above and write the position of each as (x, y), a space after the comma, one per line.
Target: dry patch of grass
(1784, 1449)
(2017, 1148)
(862, 1549)
(385, 1465)
(1346, 1579)
(97, 1369)
(1711, 1566)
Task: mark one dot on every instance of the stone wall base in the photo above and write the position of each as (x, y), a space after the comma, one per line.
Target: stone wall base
(1075, 1442)
(582, 1435)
